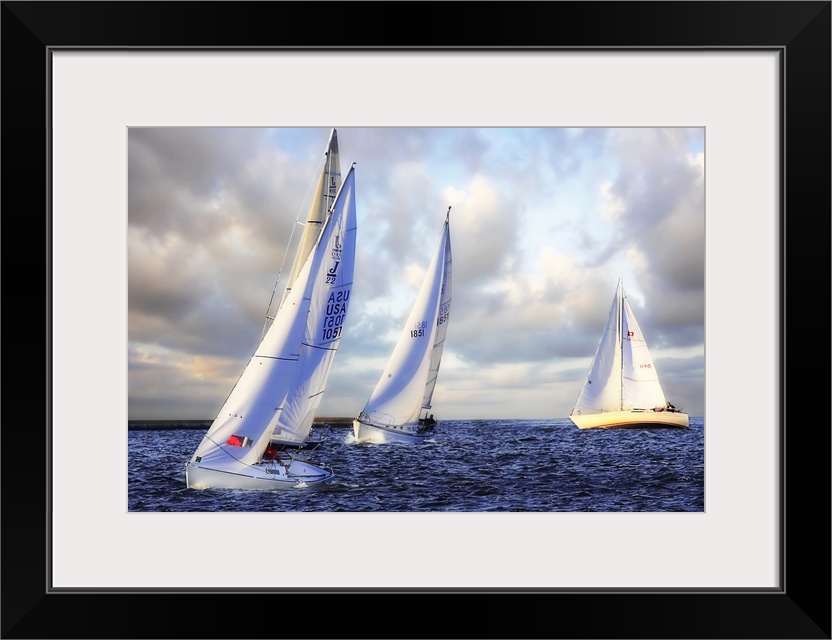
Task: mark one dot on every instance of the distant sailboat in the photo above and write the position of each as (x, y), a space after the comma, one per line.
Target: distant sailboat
(280, 389)
(399, 407)
(622, 388)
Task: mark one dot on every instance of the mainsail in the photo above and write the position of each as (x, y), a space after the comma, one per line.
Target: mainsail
(329, 182)
(640, 387)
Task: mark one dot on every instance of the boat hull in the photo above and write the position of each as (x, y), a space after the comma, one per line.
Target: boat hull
(631, 420)
(269, 476)
(314, 441)
(382, 434)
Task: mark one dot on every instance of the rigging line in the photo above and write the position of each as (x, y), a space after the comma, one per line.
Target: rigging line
(217, 445)
(247, 464)
(298, 223)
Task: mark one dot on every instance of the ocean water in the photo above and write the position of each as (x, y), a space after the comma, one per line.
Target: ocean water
(468, 466)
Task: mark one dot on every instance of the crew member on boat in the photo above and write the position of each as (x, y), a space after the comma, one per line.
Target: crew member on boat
(427, 423)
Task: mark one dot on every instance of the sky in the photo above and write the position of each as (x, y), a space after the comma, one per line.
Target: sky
(543, 223)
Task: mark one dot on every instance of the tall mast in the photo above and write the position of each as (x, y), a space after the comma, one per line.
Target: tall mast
(620, 337)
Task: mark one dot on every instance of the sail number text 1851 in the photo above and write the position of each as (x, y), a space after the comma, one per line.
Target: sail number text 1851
(444, 311)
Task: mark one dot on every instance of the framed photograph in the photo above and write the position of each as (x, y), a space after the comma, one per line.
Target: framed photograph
(77, 77)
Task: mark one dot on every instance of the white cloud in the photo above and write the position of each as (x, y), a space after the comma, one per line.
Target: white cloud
(543, 222)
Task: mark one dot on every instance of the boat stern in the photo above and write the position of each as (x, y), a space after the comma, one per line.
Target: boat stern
(268, 475)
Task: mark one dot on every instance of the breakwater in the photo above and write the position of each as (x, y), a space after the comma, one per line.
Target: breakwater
(167, 425)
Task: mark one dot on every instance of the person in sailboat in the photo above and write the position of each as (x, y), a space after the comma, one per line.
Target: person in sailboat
(272, 454)
(670, 408)
(427, 423)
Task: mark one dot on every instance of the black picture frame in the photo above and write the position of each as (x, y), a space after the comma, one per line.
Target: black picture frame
(800, 608)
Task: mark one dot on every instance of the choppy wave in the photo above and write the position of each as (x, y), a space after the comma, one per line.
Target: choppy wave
(469, 466)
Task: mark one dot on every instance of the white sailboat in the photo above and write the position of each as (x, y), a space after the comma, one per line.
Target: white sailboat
(279, 391)
(622, 388)
(399, 407)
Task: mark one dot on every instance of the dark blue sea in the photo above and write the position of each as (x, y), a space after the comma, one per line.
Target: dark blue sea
(468, 466)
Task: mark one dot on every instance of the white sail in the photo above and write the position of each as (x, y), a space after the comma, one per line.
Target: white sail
(281, 386)
(329, 182)
(406, 386)
(640, 387)
(622, 388)
(442, 317)
(602, 387)
(326, 313)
